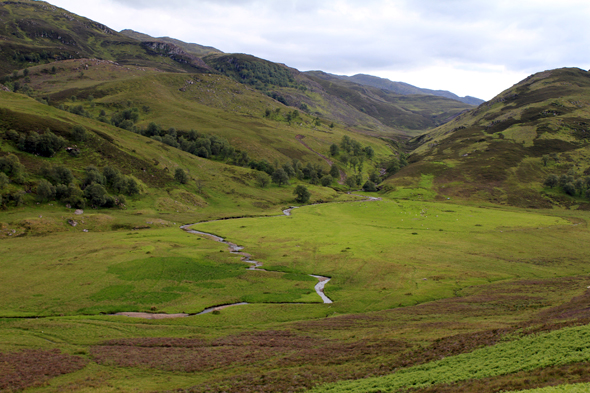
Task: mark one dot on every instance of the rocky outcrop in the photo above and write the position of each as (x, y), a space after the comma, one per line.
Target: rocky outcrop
(175, 53)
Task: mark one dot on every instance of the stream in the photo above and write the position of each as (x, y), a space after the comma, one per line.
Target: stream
(254, 265)
(247, 258)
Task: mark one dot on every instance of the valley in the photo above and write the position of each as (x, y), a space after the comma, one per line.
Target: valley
(176, 218)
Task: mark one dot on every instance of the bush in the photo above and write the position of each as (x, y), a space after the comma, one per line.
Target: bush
(45, 191)
(369, 186)
(3, 180)
(326, 180)
(262, 179)
(302, 194)
(11, 166)
(280, 177)
(180, 176)
(96, 194)
(79, 134)
(58, 175)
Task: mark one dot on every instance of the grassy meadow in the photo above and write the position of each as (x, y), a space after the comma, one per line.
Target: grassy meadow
(409, 279)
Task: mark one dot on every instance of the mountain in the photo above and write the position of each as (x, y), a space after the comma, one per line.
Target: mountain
(505, 149)
(411, 113)
(407, 89)
(194, 49)
(36, 32)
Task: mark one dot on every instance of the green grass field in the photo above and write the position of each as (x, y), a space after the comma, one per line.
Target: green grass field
(407, 278)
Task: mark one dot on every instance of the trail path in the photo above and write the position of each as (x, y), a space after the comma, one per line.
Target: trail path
(330, 162)
(255, 265)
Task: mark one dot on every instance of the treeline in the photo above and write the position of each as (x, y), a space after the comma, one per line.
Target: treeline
(281, 174)
(352, 153)
(107, 188)
(570, 184)
(47, 143)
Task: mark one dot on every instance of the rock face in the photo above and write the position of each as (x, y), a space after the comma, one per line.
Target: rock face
(174, 52)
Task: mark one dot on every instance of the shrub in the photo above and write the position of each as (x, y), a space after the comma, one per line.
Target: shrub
(369, 186)
(45, 191)
(180, 176)
(302, 194)
(79, 134)
(262, 179)
(326, 180)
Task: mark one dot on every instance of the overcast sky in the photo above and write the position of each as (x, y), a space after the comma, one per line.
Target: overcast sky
(469, 47)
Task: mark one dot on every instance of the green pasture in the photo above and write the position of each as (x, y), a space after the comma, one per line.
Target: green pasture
(166, 269)
(387, 253)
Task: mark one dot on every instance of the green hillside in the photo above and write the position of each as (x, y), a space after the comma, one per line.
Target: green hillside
(505, 150)
(172, 222)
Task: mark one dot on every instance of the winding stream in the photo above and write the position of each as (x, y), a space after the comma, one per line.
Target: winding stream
(254, 265)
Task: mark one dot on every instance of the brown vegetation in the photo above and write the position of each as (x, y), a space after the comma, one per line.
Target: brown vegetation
(19, 370)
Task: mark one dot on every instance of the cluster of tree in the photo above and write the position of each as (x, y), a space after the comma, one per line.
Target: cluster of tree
(59, 184)
(46, 144)
(198, 144)
(258, 74)
(351, 152)
(570, 184)
(281, 174)
(278, 116)
(392, 165)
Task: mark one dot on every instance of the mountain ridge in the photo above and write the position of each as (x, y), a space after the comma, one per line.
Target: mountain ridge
(404, 88)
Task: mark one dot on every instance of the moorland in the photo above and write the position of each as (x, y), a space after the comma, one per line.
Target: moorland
(454, 236)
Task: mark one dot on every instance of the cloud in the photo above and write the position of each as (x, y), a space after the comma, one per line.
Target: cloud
(387, 36)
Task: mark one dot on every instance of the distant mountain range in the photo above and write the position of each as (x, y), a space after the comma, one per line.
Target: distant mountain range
(361, 79)
(406, 89)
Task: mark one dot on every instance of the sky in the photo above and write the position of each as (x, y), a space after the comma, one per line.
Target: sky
(469, 47)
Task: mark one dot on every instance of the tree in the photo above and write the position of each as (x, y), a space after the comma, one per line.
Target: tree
(545, 159)
(93, 176)
(280, 177)
(326, 180)
(334, 149)
(79, 133)
(262, 179)
(45, 191)
(132, 187)
(369, 152)
(334, 172)
(96, 194)
(180, 176)
(551, 181)
(580, 186)
(351, 182)
(301, 193)
(369, 186)
(569, 188)
(3, 180)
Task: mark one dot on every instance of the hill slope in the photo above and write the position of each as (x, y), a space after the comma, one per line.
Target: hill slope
(194, 49)
(37, 32)
(411, 113)
(504, 150)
